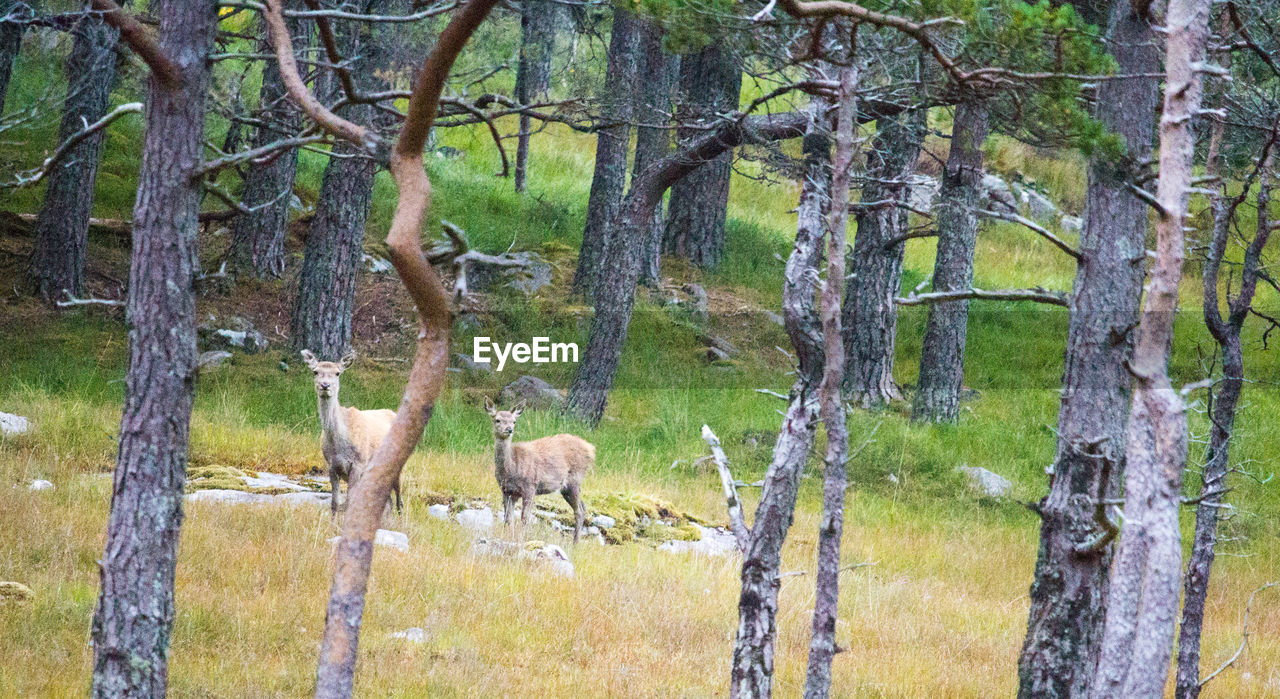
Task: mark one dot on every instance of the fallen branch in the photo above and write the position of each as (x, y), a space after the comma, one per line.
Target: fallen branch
(736, 523)
(91, 301)
(1039, 295)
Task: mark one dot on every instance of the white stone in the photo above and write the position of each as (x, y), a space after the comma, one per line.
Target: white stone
(553, 557)
(986, 483)
(13, 424)
(439, 511)
(266, 479)
(234, 497)
(377, 265)
(478, 519)
(714, 542)
(412, 635)
(40, 485)
(212, 359)
(604, 521)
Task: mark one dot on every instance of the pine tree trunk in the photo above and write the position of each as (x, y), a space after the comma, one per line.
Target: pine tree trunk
(134, 617)
(609, 180)
(1137, 639)
(257, 238)
(10, 44)
(653, 140)
(710, 85)
(533, 72)
(62, 226)
(937, 396)
(870, 315)
(1069, 594)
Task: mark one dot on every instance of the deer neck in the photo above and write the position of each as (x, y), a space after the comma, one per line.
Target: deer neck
(333, 422)
(502, 457)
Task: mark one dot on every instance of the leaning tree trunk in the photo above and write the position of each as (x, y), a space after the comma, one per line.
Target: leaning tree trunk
(322, 312)
(826, 605)
(257, 238)
(710, 85)
(10, 44)
(653, 138)
(1138, 635)
(870, 316)
(1069, 594)
(62, 226)
(533, 72)
(937, 396)
(133, 621)
(609, 180)
(753, 647)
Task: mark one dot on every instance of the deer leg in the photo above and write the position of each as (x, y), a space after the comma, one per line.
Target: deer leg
(399, 502)
(573, 497)
(335, 488)
(526, 514)
(508, 510)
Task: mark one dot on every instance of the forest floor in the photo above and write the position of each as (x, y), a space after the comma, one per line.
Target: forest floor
(939, 611)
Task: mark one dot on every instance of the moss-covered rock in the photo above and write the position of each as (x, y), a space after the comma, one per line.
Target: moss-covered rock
(14, 592)
(638, 516)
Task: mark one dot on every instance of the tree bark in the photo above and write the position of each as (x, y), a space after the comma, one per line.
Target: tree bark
(870, 316)
(134, 616)
(533, 72)
(10, 44)
(257, 238)
(1069, 592)
(753, 648)
(62, 226)
(826, 606)
(615, 295)
(937, 396)
(653, 138)
(1226, 331)
(710, 85)
(1138, 635)
(609, 180)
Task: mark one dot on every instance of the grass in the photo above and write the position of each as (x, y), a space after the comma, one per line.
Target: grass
(940, 613)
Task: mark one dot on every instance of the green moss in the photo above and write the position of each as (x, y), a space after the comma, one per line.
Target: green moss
(638, 516)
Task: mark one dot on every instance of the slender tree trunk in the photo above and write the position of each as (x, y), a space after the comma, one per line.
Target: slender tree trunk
(1069, 593)
(62, 226)
(134, 617)
(257, 238)
(870, 316)
(609, 180)
(1217, 455)
(753, 648)
(1138, 635)
(937, 396)
(533, 71)
(822, 645)
(710, 85)
(322, 312)
(653, 139)
(10, 44)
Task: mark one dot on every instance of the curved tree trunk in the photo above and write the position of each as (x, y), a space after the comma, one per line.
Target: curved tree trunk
(653, 139)
(937, 396)
(870, 315)
(710, 85)
(1069, 594)
(257, 238)
(62, 226)
(609, 180)
(134, 617)
(533, 71)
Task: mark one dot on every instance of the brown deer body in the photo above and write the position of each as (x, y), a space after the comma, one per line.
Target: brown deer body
(349, 436)
(528, 469)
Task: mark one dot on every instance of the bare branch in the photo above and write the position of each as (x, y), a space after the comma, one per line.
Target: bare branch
(1039, 295)
(33, 177)
(1034, 227)
(736, 523)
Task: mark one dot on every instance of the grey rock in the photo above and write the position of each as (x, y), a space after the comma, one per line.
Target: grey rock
(986, 483)
(714, 542)
(604, 521)
(715, 354)
(697, 304)
(533, 391)
(532, 274)
(1040, 207)
(377, 265)
(236, 333)
(213, 359)
(411, 635)
(998, 193)
(468, 363)
(551, 556)
(439, 511)
(11, 425)
(924, 192)
(775, 318)
(1071, 224)
(40, 484)
(477, 519)
(265, 479)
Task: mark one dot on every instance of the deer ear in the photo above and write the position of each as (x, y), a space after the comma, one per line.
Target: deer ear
(489, 406)
(309, 358)
(518, 409)
(347, 359)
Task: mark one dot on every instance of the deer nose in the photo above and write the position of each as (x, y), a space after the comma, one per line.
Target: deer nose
(324, 386)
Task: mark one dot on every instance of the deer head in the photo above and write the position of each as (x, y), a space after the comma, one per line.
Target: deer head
(504, 421)
(327, 373)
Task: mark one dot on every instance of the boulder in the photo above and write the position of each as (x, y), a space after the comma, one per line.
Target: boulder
(1038, 206)
(213, 359)
(476, 519)
(714, 542)
(38, 485)
(997, 193)
(466, 362)
(439, 511)
(377, 265)
(11, 425)
(532, 274)
(986, 483)
(236, 333)
(533, 391)
(604, 521)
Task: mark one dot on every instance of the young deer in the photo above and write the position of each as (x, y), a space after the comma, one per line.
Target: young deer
(348, 436)
(546, 465)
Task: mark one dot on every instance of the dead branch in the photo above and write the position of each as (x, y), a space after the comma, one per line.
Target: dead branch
(33, 177)
(736, 523)
(1244, 634)
(1037, 294)
(1035, 228)
(264, 151)
(91, 301)
(141, 41)
(433, 11)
